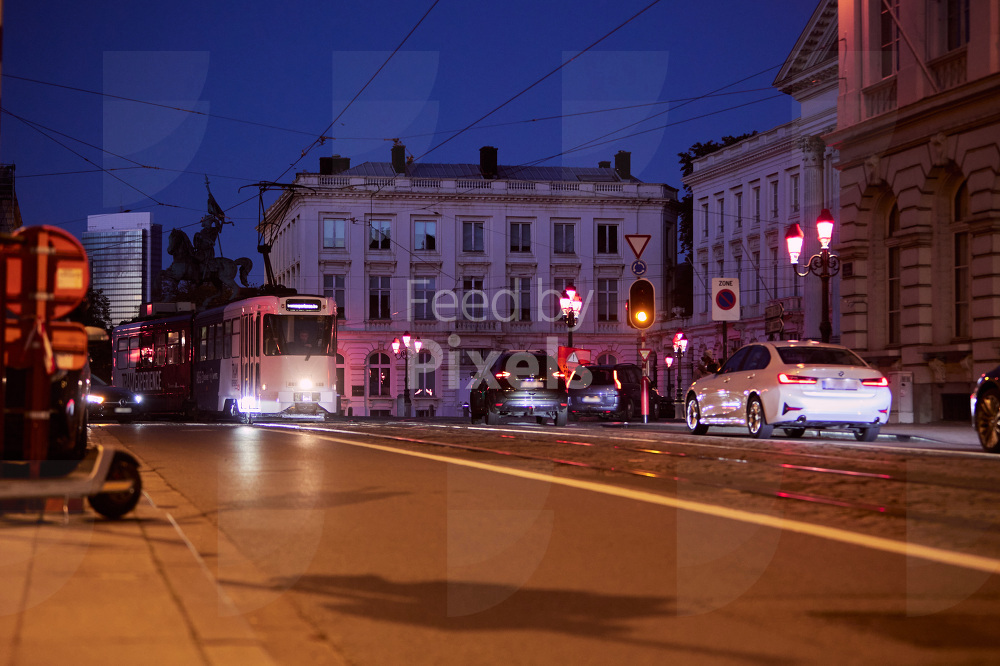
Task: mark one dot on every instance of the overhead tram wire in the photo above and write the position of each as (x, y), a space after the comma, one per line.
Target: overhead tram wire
(322, 136)
(543, 78)
(597, 141)
(379, 139)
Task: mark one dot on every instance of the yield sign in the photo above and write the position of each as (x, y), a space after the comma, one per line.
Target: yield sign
(638, 243)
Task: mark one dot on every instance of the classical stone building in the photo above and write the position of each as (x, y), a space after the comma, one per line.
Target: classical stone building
(470, 258)
(918, 127)
(745, 197)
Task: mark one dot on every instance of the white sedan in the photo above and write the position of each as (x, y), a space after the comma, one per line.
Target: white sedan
(793, 385)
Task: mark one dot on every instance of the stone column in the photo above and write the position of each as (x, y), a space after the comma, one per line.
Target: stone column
(812, 201)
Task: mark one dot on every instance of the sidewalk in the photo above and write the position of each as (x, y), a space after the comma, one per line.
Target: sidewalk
(78, 589)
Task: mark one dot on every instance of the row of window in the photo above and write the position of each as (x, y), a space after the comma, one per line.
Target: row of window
(473, 238)
(951, 19)
(424, 380)
(736, 217)
(472, 303)
(151, 350)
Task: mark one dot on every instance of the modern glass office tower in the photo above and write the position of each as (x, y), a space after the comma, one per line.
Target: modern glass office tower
(125, 252)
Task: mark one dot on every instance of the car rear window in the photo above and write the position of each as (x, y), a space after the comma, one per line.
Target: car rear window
(818, 356)
(602, 376)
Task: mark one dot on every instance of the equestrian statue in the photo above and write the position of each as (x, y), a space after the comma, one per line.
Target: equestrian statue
(196, 262)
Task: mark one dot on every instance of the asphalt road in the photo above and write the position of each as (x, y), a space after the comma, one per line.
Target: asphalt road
(447, 544)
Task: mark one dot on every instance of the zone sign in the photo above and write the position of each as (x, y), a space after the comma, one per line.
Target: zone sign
(725, 299)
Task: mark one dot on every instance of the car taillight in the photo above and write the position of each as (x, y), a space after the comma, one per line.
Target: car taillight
(618, 384)
(503, 374)
(875, 381)
(784, 378)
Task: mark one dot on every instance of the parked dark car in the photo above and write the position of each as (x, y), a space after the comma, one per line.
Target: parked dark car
(520, 384)
(986, 410)
(607, 391)
(105, 402)
(663, 404)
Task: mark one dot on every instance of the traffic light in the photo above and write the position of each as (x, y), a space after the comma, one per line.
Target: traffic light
(641, 306)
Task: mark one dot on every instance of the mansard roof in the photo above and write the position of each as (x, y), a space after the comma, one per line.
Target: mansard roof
(813, 61)
(473, 172)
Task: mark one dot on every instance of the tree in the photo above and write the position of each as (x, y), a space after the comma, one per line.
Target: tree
(685, 219)
(93, 310)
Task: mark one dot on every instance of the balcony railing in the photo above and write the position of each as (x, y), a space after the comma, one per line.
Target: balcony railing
(880, 98)
(511, 187)
(950, 69)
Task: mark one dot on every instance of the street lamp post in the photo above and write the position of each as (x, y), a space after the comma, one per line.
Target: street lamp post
(403, 349)
(571, 305)
(669, 360)
(825, 264)
(680, 346)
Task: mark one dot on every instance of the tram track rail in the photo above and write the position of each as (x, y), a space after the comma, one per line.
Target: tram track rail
(864, 484)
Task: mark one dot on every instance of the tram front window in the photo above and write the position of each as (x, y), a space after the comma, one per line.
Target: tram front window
(301, 335)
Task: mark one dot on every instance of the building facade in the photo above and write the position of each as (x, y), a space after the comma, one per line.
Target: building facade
(126, 256)
(745, 197)
(918, 125)
(471, 259)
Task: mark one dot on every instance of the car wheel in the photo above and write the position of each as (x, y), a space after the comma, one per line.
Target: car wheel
(987, 420)
(561, 418)
(693, 417)
(868, 434)
(757, 424)
(794, 433)
(492, 418)
(628, 411)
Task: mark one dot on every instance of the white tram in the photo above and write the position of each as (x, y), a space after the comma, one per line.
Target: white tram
(259, 357)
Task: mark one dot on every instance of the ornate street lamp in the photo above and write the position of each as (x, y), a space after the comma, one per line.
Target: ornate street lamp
(680, 346)
(571, 305)
(669, 360)
(403, 349)
(825, 264)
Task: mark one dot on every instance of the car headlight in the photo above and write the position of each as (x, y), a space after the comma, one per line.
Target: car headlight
(94, 399)
(138, 398)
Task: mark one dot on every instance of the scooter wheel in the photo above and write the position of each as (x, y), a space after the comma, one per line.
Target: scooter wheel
(116, 505)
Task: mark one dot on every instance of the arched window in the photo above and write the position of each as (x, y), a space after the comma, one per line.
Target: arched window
(378, 374)
(606, 359)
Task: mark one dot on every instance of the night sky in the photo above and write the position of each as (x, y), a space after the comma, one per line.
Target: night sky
(115, 105)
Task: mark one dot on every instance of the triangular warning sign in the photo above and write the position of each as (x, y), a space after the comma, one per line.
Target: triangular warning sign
(638, 243)
(572, 358)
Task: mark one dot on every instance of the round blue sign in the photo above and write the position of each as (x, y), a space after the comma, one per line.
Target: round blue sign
(726, 299)
(639, 267)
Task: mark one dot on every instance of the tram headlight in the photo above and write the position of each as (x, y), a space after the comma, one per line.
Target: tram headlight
(305, 384)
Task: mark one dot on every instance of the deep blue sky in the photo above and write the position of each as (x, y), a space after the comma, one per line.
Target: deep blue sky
(268, 78)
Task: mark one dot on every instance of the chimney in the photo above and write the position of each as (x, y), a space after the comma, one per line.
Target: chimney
(399, 158)
(341, 163)
(623, 164)
(488, 161)
(331, 165)
(604, 164)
